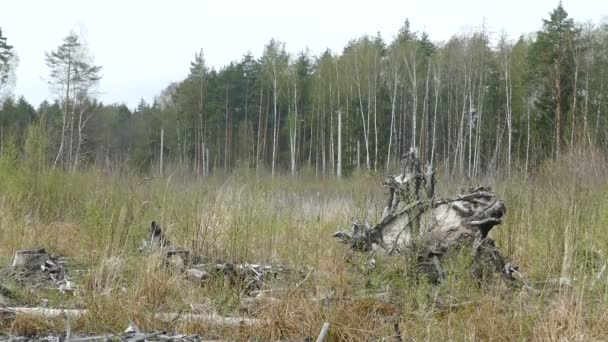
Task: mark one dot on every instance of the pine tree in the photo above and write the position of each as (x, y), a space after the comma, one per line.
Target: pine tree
(72, 76)
(6, 53)
(552, 60)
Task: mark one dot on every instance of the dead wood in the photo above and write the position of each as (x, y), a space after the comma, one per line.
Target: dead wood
(38, 269)
(212, 319)
(414, 221)
(31, 258)
(324, 332)
(247, 277)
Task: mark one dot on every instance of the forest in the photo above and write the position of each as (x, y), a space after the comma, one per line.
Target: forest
(402, 189)
(475, 104)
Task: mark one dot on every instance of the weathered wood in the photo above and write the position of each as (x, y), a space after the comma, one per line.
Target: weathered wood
(197, 275)
(413, 220)
(144, 337)
(30, 258)
(178, 258)
(157, 236)
(323, 333)
(110, 337)
(166, 317)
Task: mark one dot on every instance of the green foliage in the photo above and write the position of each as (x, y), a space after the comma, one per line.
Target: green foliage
(451, 100)
(553, 228)
(6, 54)
(552, 65)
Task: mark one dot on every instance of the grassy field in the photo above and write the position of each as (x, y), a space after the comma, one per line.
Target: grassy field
(555, 227)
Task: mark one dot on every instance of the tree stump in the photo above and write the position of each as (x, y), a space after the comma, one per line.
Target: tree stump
(31, 259)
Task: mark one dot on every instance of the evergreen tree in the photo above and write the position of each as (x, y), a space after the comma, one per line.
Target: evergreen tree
(551, 58)
(6, 53)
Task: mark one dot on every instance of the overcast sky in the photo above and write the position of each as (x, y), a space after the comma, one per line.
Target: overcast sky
(146, 44)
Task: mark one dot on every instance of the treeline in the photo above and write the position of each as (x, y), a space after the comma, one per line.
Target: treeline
(473, 104)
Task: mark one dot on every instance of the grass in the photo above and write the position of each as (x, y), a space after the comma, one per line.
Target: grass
(555, 227)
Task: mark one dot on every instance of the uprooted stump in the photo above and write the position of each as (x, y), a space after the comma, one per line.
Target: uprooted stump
(414, 221)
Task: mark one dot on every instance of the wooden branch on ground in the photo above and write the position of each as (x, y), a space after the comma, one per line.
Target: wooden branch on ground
(323, 333)
(166, 317)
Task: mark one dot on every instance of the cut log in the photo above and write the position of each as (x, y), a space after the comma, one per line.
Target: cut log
(31, 259)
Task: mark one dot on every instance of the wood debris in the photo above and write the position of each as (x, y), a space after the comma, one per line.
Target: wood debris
(414, 221)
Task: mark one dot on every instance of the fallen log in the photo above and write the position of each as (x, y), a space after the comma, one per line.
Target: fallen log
(212, 319)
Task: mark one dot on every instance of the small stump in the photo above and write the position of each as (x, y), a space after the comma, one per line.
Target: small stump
(30, 259)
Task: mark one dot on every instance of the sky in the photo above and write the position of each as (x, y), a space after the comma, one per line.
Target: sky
(143, 45)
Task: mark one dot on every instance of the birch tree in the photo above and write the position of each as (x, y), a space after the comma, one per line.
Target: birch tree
(72, 76)
(275, 61)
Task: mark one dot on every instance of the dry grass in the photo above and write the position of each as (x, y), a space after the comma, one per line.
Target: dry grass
(555, 227)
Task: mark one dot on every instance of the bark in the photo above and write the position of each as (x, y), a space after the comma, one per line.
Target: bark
(65, 113)
(259, 135)
(393, 107)
(508, 90)
(339, 161)
(365, 126)
(375, 90)
(275, 129)
(411, 68)
(558, 111)
(437, 82)
(294, 130)
(162, 143)
(527, 134)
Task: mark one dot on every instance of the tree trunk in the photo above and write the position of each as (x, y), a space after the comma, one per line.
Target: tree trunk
(294, 133)
(162, 143)
(365, 127)
(275, 124)
(437, 82)
(558, 111)
(390, 135)
(65, 113)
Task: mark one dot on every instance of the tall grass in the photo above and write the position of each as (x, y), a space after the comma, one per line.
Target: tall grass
(555, 227)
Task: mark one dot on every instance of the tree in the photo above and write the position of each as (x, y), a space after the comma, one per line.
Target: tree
(552, 61)
(275, 61)
(6, 54)
(299, 73)
(198, 78)
(72, 77)
(86, 77)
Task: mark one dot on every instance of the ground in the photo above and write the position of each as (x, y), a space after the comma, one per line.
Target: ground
(554, 228)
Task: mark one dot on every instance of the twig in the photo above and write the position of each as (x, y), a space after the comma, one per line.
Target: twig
(324, 332)
(304, 280)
